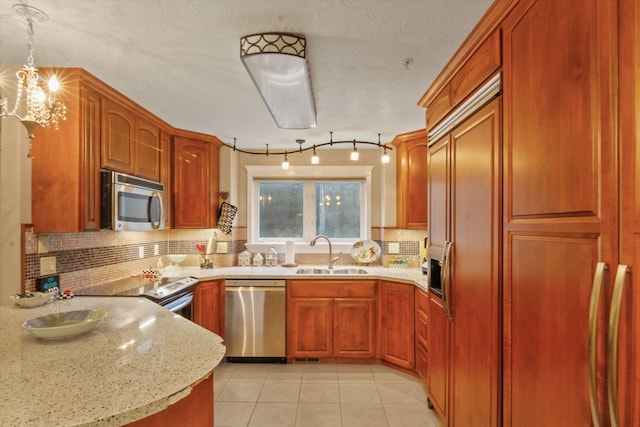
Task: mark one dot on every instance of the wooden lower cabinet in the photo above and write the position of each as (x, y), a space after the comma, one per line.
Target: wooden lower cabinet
(354, 327)
(310, 327)
(396, 322)
(327, 319)
(208, 306)
(422, 331)
(438, 372)
(195, 410)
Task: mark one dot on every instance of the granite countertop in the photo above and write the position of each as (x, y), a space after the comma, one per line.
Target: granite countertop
(412, 276)
(138, 361)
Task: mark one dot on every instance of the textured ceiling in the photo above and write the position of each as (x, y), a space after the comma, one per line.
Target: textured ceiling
(180, 58)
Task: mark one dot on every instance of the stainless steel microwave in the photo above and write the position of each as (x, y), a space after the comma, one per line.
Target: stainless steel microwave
(129, 203)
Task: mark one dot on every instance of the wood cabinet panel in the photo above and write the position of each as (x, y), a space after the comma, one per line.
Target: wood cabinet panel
(475, 287)
(438, 183)
(148, 150)
(354, 327)
(332, 288)
(208, 306)
(130, 144)
(629, 250)
(65, 168)
(191, 179)
(422, 318)
(411, 179)
(561, 201)
(118, 136)
(327, 318)
(194, 410)
(309, 327)
(552, 342)
(439, 106)
(438, 371)
(555, 128)
(397, 339)
(481, 65)
(422, 363)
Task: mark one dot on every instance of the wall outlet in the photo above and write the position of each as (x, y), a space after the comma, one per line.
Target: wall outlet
(43, 244)
(221, 247)
(47, 265)
(141, 252)
(394, 247)
(156, 250)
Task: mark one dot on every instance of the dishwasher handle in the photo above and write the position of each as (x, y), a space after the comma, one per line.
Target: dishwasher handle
(254, 288)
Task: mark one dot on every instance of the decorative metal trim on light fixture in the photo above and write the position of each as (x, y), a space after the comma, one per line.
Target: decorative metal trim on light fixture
(277, 64)
(314, 158)
(42, 108)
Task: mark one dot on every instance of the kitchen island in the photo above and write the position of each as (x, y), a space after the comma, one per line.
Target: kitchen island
(140, 360)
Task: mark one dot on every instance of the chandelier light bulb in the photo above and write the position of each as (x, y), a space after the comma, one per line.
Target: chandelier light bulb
(54, 84)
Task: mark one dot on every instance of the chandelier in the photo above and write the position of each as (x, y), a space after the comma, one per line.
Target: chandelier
(41, 108)
(315, 159)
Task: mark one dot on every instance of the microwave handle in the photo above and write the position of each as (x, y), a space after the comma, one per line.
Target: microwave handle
(154, 225)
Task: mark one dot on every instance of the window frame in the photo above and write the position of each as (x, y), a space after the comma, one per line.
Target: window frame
(306, 173)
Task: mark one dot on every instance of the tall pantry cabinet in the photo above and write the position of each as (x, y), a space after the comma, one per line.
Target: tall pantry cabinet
(570, 218)
(561, 213)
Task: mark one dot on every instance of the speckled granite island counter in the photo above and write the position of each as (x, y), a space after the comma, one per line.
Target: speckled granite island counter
(140, 360)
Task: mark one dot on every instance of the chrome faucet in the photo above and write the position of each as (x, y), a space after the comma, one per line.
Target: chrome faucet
(331, 259)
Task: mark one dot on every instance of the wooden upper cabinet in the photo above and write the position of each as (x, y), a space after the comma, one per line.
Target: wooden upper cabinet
(458, 83)
(117, 137)
(411, 180)
(65, 170)
(148, 150)
(130, 144)
(195, 181)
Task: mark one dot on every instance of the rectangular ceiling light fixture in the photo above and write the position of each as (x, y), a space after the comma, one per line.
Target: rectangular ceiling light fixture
(278, 66)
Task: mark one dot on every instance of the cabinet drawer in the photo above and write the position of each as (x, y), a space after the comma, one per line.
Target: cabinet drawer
(332, 288)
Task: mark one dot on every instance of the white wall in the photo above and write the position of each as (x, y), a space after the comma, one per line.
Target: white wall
(15, 191)
(383, 181)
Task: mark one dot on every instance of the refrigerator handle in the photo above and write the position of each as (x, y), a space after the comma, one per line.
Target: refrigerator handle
(444, 278)
(612, 347)
(596, 290)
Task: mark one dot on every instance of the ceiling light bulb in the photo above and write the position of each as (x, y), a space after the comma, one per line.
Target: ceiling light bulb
(385, 157)
(315, 159)
(285, 162)
(354, 153)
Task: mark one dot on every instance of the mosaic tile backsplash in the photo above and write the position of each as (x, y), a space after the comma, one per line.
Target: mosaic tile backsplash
(85, 260)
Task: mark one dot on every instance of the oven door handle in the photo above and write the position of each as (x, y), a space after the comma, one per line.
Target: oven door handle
(179, 303)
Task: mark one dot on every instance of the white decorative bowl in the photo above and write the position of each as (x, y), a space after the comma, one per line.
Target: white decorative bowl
(177, 258)
(35, 300)
(64, 325)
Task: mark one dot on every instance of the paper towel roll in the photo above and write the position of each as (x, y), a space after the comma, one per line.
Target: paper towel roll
(290, 254)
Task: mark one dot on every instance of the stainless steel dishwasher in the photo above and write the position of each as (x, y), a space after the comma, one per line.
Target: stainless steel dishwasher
(255, 320)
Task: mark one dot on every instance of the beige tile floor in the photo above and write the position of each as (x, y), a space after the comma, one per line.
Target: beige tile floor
(318, 395)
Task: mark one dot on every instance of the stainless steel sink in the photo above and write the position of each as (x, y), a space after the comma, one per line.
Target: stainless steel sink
(313, 271)
(336, 271)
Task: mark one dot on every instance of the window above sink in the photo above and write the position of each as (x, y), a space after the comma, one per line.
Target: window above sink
(331, 200)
